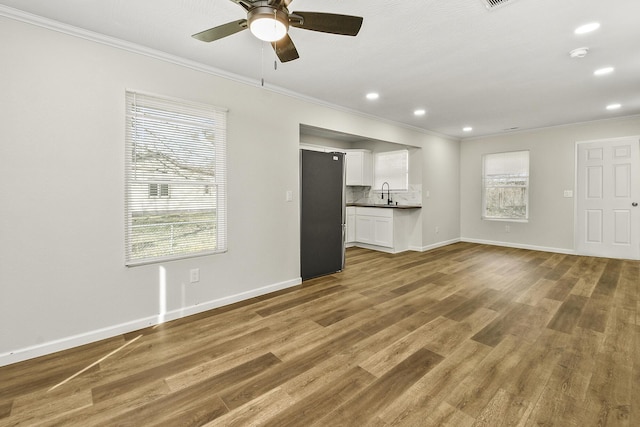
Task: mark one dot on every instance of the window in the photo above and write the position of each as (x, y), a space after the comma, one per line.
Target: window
(505, 186)
(175, 198)
(158, 190)
(392, 167)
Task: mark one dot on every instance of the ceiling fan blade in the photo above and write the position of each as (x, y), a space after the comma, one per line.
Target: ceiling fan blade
(221, 31)
(346, 25)
(285, 49)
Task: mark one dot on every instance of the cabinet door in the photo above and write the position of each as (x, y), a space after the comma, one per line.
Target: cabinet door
(383, 232)
(354, 167)
(351, 228)
(364, 229)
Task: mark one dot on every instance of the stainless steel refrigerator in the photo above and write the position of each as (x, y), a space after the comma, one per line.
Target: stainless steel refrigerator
(322, 213)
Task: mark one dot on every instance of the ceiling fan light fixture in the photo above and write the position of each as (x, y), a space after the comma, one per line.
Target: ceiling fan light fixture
(268, 24)
(580, 52)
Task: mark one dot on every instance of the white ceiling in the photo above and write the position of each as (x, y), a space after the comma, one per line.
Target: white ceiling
(466, 65)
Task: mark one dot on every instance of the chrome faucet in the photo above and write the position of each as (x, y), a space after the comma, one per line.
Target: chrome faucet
(389, 201)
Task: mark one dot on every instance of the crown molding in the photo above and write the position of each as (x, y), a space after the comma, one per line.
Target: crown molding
(114, 42)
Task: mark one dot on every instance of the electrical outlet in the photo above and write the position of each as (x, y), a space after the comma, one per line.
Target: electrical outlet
(437, 229)
(507, 228)
(194, 275)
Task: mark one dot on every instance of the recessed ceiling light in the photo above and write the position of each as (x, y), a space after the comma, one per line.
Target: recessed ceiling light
(373, 95)
(420, 112)
(613, 106)
(587, 28)
(467, 129)
(580, 52)
(603, 71)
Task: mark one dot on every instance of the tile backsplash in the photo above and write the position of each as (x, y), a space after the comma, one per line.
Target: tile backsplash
(369, 195)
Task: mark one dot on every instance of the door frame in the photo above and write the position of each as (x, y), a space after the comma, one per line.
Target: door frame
(577, 187)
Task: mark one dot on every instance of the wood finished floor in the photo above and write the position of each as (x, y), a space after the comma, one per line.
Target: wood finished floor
(464, 335)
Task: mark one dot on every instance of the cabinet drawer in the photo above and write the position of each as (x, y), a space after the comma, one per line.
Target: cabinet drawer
(379, 212)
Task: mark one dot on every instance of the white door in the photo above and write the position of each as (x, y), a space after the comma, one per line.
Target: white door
(608, 194)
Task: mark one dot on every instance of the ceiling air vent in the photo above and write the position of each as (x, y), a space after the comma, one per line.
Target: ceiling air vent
(491, 4)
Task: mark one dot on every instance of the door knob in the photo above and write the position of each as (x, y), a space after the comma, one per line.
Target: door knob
(634, 204)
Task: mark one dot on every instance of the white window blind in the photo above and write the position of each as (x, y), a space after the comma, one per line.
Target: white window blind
(506, 186)
(175, 196)
(392, 167)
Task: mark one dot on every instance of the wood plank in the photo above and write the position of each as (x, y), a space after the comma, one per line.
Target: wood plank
(517, 315)
(5, 409)
(326, 399)
(114, 388)
(255, 412)
(562, 288)
(383, 391)
(298, 300)
(474, 392)
(259, 384)
(446, 415)
(634, 413)
(504, 409)
(568, 315)
(430, 391)
(483, 299)
(196, 404)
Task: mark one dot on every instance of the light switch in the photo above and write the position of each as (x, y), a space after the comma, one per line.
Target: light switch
(568, 193)
(289, 196)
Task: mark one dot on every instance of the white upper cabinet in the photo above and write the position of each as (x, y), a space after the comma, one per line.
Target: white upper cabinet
(359, 167)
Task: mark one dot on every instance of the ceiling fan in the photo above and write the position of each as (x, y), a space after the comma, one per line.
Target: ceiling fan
(269, 20)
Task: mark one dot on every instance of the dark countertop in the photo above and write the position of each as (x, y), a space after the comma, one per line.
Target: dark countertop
(364, 205)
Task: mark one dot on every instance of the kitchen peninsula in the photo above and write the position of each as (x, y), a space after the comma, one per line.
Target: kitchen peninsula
(382, 227)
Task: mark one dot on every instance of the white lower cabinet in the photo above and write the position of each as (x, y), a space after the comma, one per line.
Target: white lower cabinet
(383, 232)
(374, 226)
(384, 229)
(351, 225)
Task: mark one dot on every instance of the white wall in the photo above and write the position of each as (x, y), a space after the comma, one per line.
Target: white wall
(440, 192)
(62, 276)
(552, 170)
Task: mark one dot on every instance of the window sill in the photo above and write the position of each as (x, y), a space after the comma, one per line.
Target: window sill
(505, 220)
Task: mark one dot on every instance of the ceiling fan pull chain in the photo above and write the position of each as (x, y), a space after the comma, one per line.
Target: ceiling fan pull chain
(262, 63)
(275, 20)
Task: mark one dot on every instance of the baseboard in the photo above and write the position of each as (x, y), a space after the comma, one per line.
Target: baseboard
(519, 246)
(434, 245)
(123, 328)
(410, 248)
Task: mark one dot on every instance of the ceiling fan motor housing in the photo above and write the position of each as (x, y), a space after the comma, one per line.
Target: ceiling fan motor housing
(270, 14)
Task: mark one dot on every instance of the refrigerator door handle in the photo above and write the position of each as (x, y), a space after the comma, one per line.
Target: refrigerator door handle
(344, 239)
